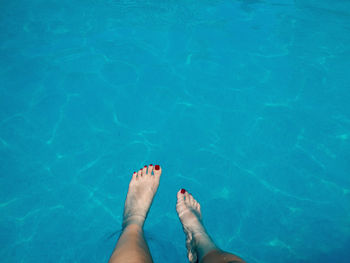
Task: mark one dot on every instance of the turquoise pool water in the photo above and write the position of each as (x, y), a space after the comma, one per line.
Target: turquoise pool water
(243, 103)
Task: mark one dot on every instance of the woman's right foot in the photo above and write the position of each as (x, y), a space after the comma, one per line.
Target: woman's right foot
(198, 242)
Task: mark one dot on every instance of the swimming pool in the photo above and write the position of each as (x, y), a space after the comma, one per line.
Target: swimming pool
(244, 103)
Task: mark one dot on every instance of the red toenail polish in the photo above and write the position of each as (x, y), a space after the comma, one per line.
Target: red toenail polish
(145, 166)
(156, 167)
(150, 164)
(183, 191)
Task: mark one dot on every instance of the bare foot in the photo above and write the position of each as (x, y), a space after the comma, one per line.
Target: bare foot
(142, 188)
(190, 216)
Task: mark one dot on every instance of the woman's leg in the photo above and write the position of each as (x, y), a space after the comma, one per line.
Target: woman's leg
(200, 247)
(219, 256)
(131, 246)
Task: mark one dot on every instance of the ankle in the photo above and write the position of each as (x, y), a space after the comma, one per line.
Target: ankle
(204, 244)
(132, 228)
(133, 220)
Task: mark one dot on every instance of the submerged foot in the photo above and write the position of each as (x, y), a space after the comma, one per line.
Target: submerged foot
(190, 216)
(142, 188)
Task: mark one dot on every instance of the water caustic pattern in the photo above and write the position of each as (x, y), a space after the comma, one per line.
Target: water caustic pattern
(245, 103)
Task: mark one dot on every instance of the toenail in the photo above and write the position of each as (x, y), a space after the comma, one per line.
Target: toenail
(156, 167)
(150, 164)
(145, 166)
(183, 191)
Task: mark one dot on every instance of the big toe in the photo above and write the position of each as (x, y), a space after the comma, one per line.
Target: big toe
(157, 171)
(181, 205)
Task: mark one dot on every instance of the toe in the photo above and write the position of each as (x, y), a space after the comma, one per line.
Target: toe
(157, 171)
(144, 170)
(150, 169)
(187, 198)
(180, 205)
(191, 199)
(134, 176)
(180, 197)
(139, 174)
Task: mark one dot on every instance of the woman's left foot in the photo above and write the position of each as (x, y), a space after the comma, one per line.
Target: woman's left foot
(142, 188)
